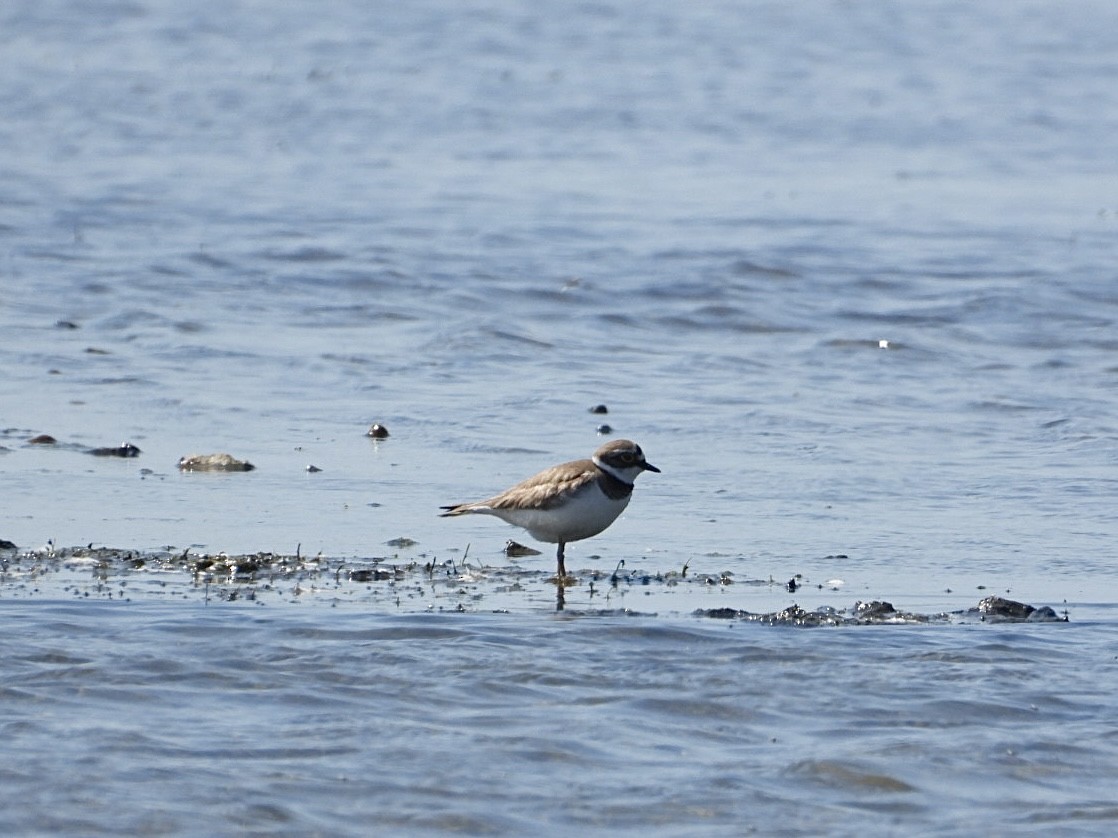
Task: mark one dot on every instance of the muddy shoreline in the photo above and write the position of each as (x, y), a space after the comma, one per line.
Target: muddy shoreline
(399, 585)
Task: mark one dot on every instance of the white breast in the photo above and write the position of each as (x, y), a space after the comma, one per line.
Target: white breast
(585, 514)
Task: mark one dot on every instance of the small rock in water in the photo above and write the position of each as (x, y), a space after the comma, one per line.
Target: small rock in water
(599, 408)
(401, 542)
(42, 439)
(214, 462)
(999, 608)
(1005, 608)
(604, 430)
(125, 449)
(313, 469)
(7, 545)
(515, 550)
(875, 610)
(377, 431)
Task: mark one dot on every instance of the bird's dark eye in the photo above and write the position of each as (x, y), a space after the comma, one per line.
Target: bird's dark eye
(628, 457)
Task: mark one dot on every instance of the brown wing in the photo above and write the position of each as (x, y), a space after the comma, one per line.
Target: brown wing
(542, 491)
(545, 489)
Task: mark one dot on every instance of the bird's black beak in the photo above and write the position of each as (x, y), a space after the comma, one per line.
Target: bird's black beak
(650, 467)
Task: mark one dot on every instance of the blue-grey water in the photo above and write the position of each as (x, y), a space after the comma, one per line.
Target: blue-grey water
(847, 272)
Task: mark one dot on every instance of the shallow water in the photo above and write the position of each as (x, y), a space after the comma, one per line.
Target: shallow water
(847, 275)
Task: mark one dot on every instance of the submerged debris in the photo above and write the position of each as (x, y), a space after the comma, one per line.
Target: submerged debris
(214, 462)
(125, 449)
(374, 574)
(793, 615)
(883, 613)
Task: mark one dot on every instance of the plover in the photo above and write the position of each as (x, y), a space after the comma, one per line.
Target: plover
(571, 501)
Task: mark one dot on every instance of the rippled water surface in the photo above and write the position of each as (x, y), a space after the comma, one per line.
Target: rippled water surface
(157, 719)
(845, 271)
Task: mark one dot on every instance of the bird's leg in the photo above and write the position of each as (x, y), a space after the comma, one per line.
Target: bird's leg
(562, 564)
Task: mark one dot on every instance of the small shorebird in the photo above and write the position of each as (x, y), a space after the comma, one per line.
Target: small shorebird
(571, 501)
